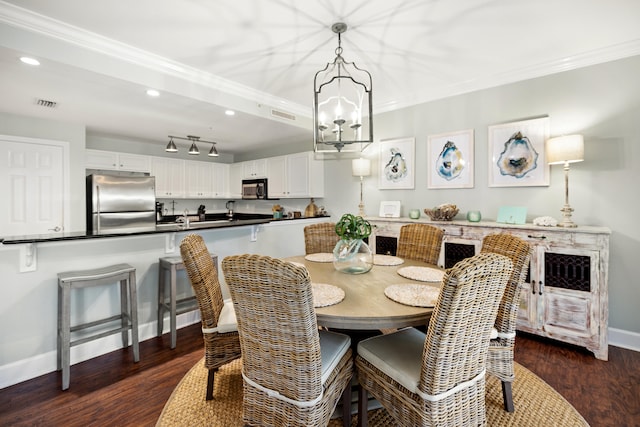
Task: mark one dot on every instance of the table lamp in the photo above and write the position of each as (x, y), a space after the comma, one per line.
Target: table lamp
(361, 167)
(564, 150)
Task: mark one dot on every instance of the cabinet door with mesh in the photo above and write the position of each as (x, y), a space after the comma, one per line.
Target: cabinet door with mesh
(570, 293)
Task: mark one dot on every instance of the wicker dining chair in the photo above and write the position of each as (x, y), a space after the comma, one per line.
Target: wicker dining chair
(420, 242)
(501, 348)
(438, 378)
(294, 374)
(320, 238)
(219, 327)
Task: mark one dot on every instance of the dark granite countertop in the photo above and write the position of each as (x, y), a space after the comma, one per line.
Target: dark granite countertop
(168, 225)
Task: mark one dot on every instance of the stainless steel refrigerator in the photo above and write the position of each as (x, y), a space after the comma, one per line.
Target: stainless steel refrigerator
(120, 204)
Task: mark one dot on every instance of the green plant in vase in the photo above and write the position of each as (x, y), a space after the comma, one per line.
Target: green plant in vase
(351, 254)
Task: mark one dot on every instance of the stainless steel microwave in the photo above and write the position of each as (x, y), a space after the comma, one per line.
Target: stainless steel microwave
(254, 188)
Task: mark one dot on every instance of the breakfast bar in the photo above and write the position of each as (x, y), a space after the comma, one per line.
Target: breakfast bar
(28, 308)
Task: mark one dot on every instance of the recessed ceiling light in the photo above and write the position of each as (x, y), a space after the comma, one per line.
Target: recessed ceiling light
(153, 92)
(29, 61)
(230, 113)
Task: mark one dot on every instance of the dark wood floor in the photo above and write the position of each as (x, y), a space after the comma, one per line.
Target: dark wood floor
(111, 390)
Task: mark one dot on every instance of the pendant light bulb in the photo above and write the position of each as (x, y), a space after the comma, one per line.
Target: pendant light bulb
(213, 152)
(194, 149)
(171, 147)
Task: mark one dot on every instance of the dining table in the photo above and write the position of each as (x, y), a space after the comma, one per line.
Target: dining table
(366, 304)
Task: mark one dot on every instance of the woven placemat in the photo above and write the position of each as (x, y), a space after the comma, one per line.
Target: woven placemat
(536, 403)
(298, 264)
(422, 274)
(387, 260)
(413, 294)
(319, 257)
(325, 295)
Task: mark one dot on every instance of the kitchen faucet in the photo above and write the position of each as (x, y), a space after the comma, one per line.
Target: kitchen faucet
(184, 218)
(229, 207)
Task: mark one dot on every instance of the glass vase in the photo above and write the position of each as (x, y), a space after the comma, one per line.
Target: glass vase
(352, 256)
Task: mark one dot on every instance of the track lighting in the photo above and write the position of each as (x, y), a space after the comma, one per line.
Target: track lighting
(193, 150)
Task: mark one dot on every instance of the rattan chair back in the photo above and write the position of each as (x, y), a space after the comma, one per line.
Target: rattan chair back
(280, 343)
(451, 384)
(519, 252)
(500, 358)
(320, 238)
(219, 348)
(420, 242)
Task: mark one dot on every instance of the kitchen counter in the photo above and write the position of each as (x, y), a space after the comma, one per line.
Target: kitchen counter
(167, 226)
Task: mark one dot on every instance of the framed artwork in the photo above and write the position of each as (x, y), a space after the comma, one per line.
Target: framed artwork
(517, 153)
(450, 160)
(397, 164)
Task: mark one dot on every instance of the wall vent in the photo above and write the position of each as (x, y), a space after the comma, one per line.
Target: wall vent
(45, 103)
(282, 114)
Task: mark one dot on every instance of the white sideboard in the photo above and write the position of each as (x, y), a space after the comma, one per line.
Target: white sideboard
(565, 296)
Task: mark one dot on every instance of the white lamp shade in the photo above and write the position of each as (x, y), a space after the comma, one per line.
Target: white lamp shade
(565, 149)
(361, 167)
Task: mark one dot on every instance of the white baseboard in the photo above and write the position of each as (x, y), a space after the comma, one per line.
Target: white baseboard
(45, 363)
(625, 339)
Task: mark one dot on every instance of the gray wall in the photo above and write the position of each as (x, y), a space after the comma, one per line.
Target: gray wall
(601, 102)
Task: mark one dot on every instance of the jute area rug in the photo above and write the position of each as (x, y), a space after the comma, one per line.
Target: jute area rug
(537, 404)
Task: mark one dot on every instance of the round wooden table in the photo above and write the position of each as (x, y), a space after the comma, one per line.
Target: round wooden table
(365, 306)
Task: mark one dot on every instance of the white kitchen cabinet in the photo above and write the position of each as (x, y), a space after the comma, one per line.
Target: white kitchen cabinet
(220, 181)
(277, 176)
(111, 160)
(198, 179)
(295, 176)
(565, 295)
(235, 180)
(254, 169)
(169, 174)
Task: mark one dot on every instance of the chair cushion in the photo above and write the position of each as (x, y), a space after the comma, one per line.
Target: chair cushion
(494, 334)
(227, 320)
(398, 355)
(332, 347)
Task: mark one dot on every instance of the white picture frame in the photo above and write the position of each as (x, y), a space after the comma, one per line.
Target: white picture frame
(397, 164)
(519, 162)
(450, 160)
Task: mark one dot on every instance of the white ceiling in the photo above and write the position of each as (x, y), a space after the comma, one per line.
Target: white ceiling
(254, 56)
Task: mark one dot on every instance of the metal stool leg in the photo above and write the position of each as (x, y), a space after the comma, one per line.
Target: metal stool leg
(124, 311)
(161, 297)
(133, 306)
(64, 336)
(172, 311)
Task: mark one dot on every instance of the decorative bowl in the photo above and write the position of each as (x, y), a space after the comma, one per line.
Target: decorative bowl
(444, 212)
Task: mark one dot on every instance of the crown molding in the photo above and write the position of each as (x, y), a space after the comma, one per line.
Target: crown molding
(585, 59)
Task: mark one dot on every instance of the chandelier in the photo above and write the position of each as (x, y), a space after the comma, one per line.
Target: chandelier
(171, 146)
(342, 104)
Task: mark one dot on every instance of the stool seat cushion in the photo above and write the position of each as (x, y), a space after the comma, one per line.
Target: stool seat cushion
(227, 321)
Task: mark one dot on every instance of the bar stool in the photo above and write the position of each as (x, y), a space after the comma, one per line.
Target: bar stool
(123, 273)
(171, 265)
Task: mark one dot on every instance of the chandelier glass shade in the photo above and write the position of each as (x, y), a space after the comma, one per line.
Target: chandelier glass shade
(342, 104)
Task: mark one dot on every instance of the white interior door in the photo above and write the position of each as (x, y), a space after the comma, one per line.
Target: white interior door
(32, 186)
